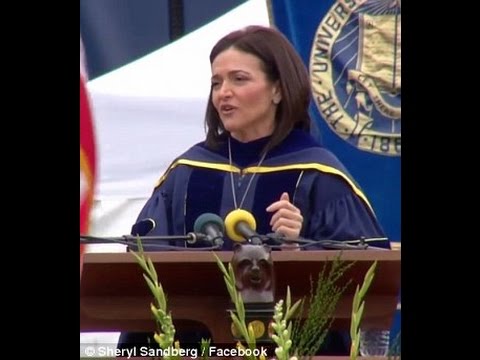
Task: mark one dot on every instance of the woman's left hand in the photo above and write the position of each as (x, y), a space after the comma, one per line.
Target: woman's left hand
(287, 219)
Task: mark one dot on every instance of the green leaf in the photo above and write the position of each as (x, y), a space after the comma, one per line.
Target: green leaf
(240, 307)
(368, 279)
(293, 310)
(152, 286)
(141, 261)
(353, 326)
(152, 271)
(140, 246)
(220, 264)
(358, 308)
(240, 327)
(354, 347)
(154, 311)
(231, 274)
(231, 289)
(162, 301)
(289, 298)
(251, 335)
(360, 312)
(356, 299)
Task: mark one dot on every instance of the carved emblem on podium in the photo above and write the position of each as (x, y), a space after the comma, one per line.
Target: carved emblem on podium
(254, 276)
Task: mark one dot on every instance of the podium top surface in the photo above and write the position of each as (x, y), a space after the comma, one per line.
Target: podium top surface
(185, 272)
(225, 256)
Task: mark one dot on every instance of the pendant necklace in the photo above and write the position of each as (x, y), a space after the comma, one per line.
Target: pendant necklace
(238, 206)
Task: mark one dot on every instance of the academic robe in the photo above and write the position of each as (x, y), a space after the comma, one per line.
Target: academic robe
(199, 181)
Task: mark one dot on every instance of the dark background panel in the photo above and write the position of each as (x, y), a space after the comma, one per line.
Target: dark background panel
(117, 32)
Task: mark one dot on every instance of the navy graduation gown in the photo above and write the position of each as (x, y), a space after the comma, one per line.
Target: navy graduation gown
(199, 181)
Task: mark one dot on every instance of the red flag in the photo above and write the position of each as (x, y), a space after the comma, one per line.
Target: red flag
(87, 159)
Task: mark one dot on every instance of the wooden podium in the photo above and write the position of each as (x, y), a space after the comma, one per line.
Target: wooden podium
(115, 297)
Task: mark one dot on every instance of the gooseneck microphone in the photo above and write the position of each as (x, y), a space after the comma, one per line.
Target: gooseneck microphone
(212, 226)
(142, 228)
(241, 225)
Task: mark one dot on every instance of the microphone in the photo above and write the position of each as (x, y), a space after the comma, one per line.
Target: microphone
(143, 227)
(241, 225)
(211, 225)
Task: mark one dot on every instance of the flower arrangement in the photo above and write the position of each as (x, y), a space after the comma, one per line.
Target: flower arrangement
(293, 341)
(357, 310)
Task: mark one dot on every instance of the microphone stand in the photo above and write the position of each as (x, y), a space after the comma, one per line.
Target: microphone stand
(276, 242)
(85, 239)
(151, 241)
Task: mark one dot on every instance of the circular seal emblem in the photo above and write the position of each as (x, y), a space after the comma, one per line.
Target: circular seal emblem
(355, 71)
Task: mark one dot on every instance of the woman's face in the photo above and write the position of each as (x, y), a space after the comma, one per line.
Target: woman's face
(244, 98)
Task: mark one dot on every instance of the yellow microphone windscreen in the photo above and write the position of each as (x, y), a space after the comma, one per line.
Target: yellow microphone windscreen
(233, 218)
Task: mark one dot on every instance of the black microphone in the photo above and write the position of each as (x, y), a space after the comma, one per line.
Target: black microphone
(143, 227)
(241, 226)
(211, 225)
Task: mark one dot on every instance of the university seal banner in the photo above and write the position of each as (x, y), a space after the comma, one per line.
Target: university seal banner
(353, 52)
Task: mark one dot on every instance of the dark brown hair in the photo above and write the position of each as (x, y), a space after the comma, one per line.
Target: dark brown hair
(280, 62)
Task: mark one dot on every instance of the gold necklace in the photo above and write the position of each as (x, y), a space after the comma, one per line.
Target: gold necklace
(234, 194)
